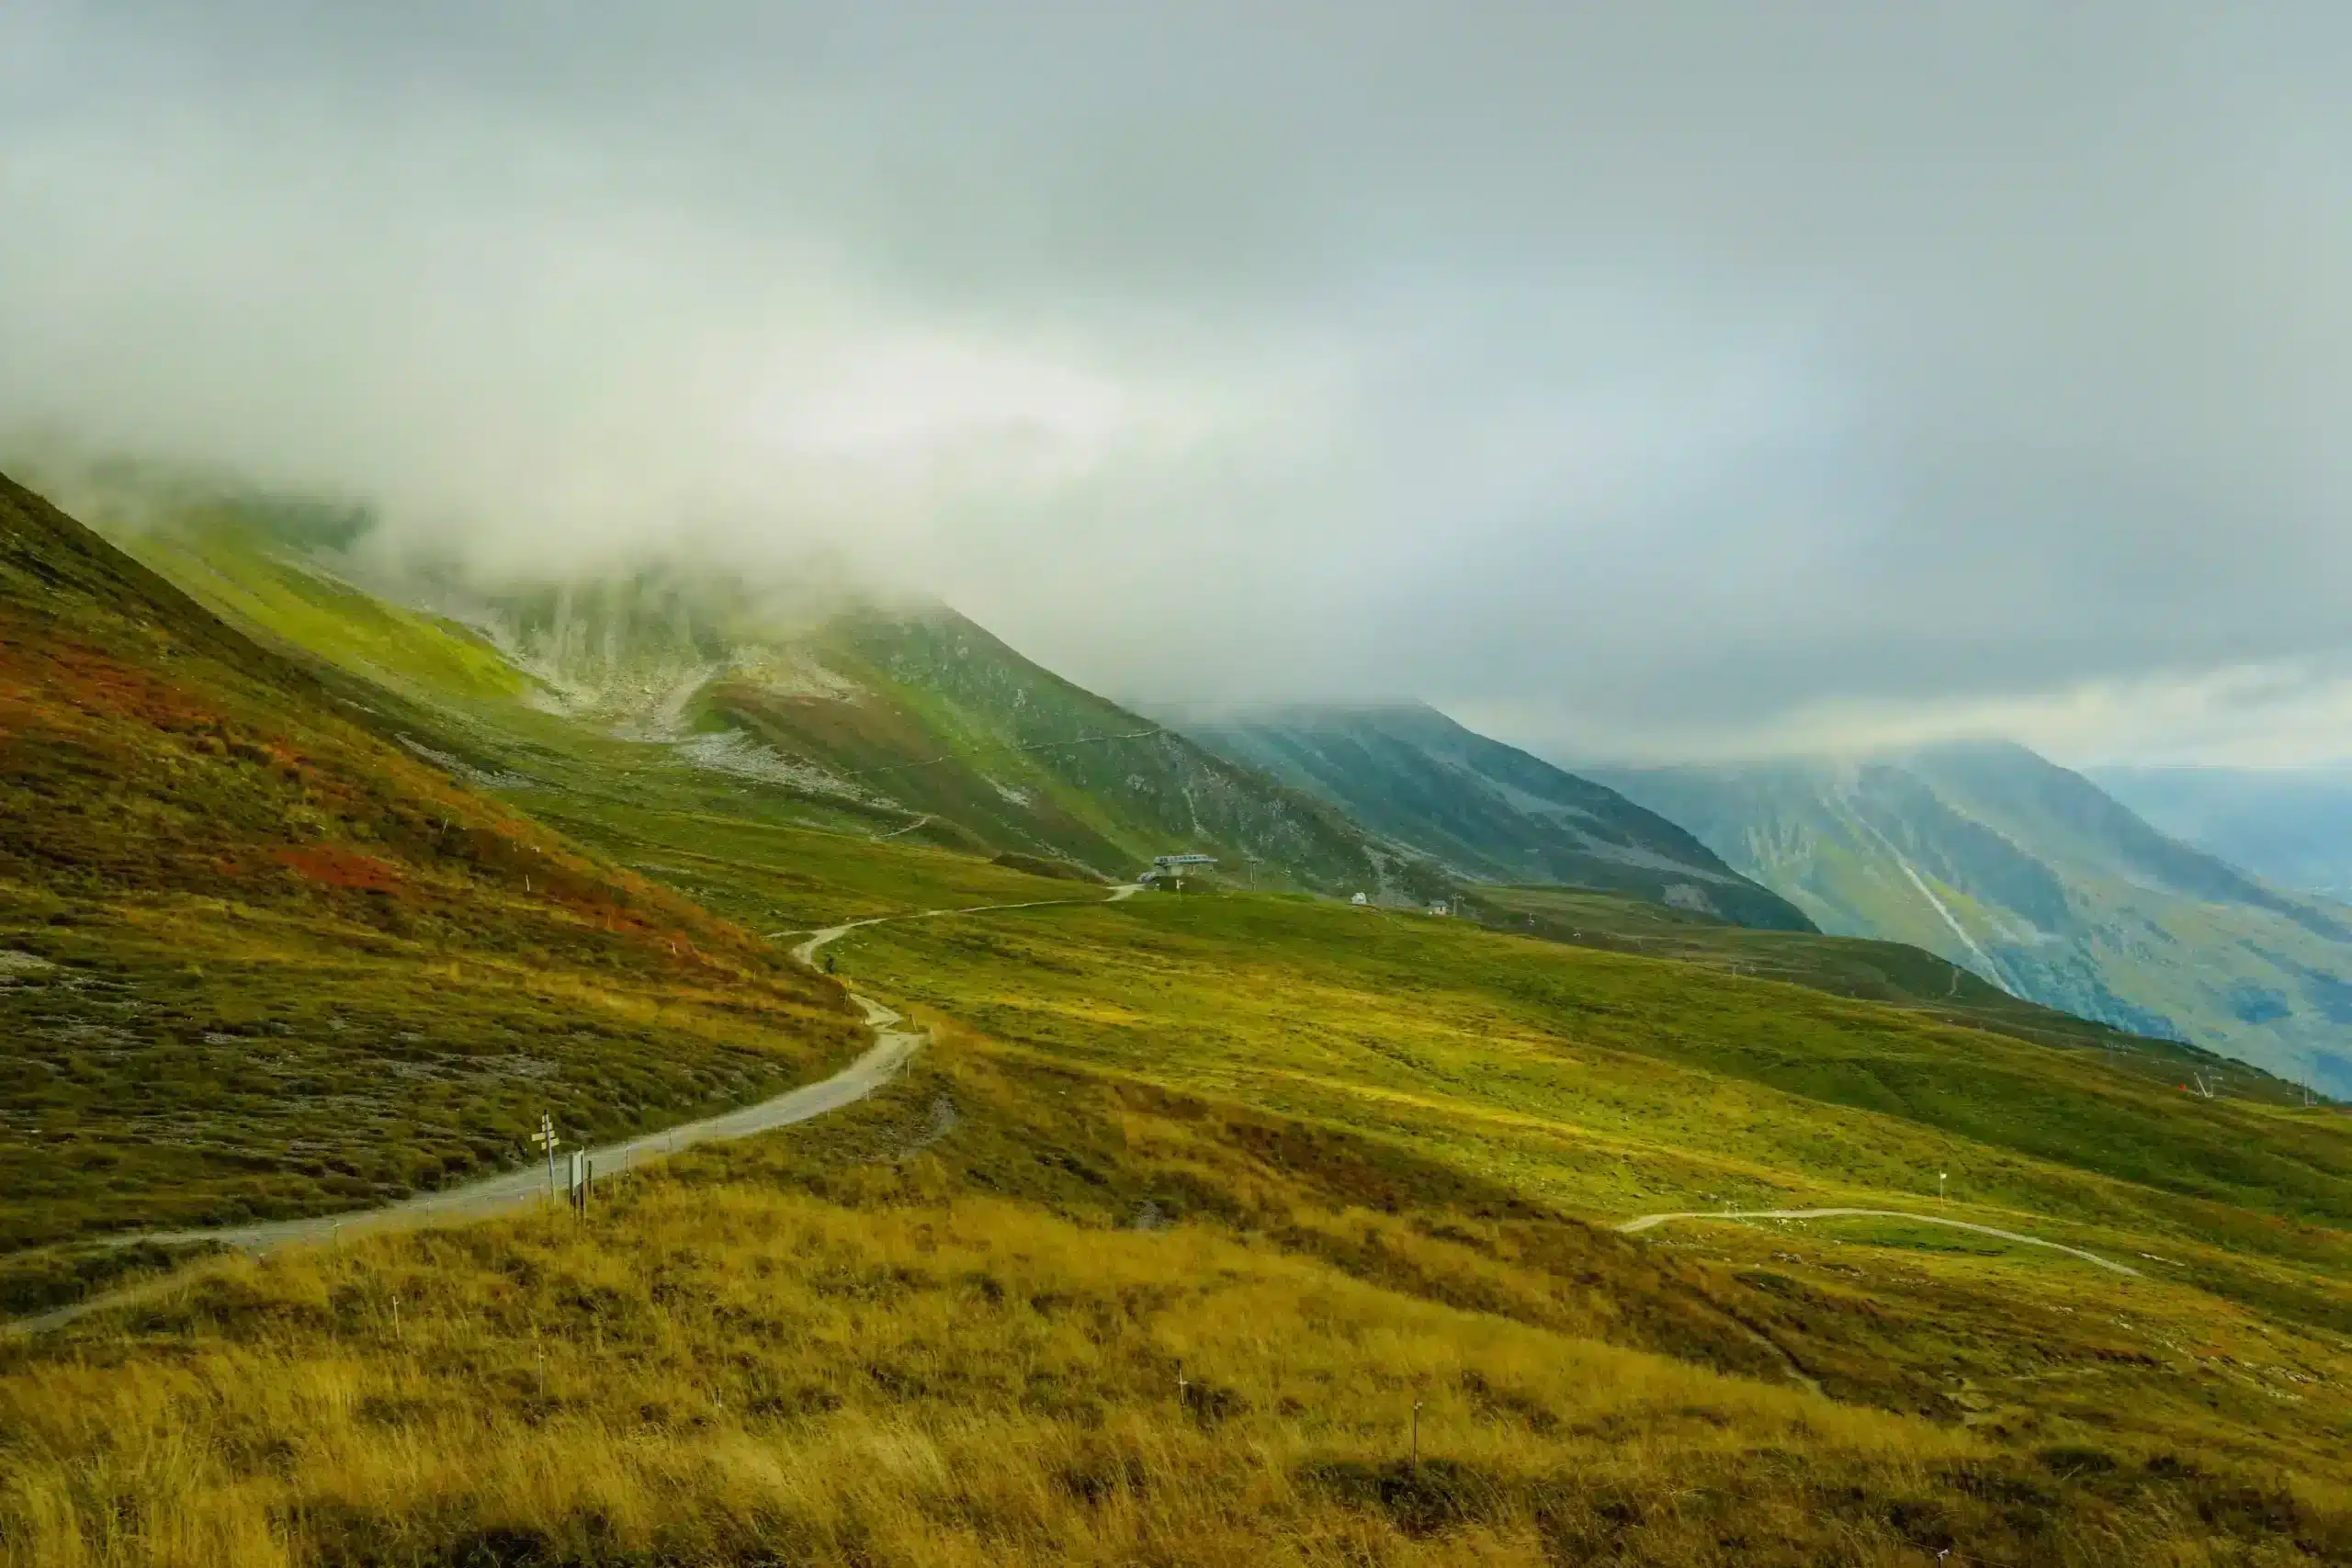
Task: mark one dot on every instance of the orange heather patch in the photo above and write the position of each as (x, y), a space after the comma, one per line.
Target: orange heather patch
(100, 685)
(338, 867)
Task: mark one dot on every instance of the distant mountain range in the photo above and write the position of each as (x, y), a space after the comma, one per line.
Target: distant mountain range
(686, 696)
(1487, 811)
(2291, 826)
(2033, 877)
(910, 721)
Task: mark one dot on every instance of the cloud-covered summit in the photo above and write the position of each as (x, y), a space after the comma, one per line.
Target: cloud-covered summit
(1679, 377)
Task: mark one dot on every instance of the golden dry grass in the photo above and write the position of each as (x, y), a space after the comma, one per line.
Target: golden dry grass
(721, 1368)
(721, 1372)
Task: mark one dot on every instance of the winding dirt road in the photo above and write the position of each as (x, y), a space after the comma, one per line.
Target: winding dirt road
(1634, 1227)
(893, 1046)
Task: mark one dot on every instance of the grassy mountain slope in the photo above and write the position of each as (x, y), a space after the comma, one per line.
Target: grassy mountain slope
(1200, 1202)
(1489, 811)
(909, 721)
(1887, 972)
(951, 723)
(2289, 826)
(256, 959)
(2030, 877)
(1234, 1228)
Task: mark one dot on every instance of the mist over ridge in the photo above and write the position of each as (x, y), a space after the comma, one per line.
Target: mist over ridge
(1681, 384)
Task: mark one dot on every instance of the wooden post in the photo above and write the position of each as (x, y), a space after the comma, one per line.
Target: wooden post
(545, 1137)
(1416, 1434)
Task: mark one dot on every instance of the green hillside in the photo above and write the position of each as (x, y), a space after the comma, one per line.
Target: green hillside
(2032, 878)
(256, 959)
(945, 721)
(888, 722)
(1489, 811)
(1211, 1222)
(1239, 1225)
(1887, 972)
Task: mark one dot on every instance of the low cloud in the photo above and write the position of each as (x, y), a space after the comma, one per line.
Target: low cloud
(1637, 380)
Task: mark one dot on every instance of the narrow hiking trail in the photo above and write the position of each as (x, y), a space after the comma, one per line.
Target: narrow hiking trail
(894, 1046)
(1634, 1227)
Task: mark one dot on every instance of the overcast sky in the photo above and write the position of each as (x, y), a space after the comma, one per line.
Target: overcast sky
(1658, 379)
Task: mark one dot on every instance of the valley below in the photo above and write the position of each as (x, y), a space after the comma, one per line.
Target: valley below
(1488, 1219)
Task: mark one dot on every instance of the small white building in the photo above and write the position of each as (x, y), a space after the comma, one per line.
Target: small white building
(1360, 899)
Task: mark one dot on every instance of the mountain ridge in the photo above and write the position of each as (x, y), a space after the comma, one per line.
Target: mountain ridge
(1489, 811)
(2291, 827)
(1998, 860)
(877, 718)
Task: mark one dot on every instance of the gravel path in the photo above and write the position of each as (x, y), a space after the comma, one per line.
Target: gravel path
(1634, 1227)
(893, 1046)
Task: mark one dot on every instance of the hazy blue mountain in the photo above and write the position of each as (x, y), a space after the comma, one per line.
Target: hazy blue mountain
(2035, 878)
(2291, 826)
(1487, 811)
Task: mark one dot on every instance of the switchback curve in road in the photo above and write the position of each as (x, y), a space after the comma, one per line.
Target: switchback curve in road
(1634, 1227)
(894, 1046)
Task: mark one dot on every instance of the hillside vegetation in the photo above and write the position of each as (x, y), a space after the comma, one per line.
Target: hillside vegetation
(258, 959)
(1848, 966)
(1487, 811)
(2030, 877)
(1136, 1268)
(1232, 1227)
(904, 721)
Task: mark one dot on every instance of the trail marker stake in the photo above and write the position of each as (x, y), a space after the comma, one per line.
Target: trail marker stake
(545, 1137)
(1416, 1434)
